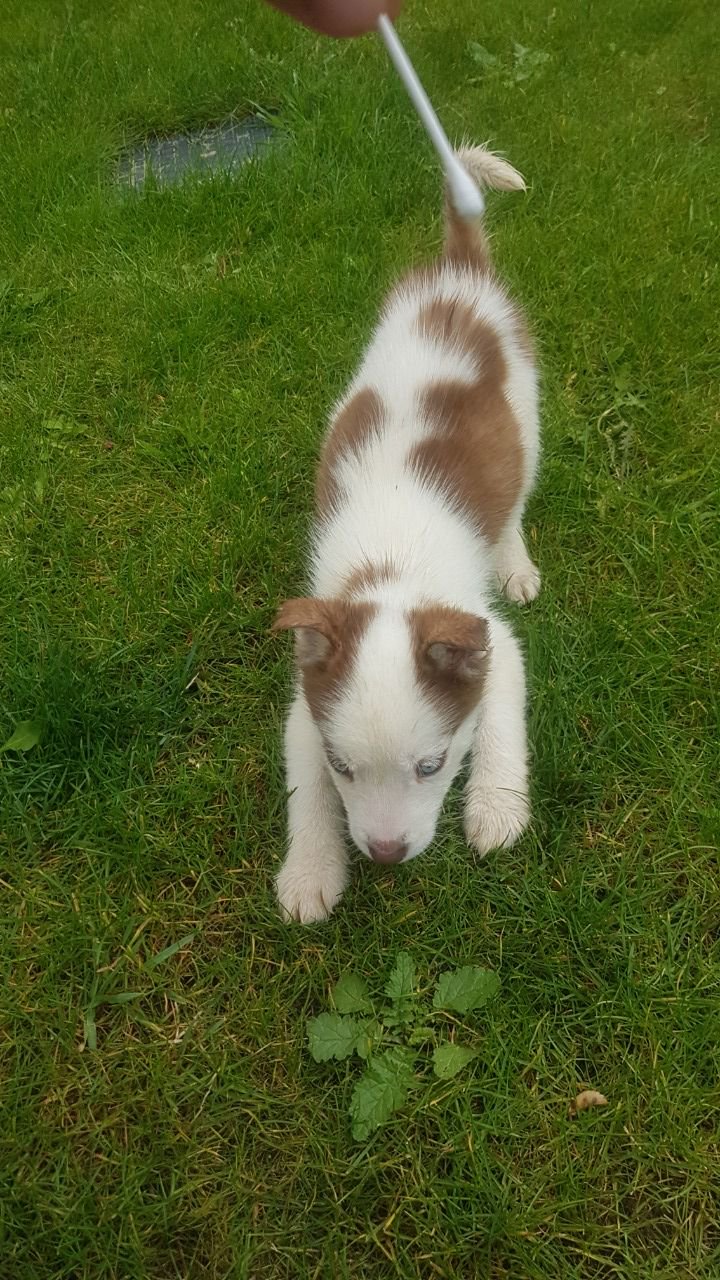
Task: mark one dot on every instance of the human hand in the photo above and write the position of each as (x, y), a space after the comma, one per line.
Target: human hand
(339, 17)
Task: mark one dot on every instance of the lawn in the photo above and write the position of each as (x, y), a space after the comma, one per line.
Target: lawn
(167, 362)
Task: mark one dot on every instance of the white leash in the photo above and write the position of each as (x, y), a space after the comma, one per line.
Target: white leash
(466, 196)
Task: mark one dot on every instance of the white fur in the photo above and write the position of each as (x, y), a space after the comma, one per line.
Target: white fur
(384, 723)
(383, 727)
(314, 873)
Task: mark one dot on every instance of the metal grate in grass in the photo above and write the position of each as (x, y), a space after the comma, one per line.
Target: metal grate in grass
(200, 152)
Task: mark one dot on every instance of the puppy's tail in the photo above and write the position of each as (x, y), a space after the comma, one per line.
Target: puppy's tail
(465, 240)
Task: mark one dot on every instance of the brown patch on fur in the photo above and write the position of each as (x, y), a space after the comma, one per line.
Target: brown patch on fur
(368, 575)
(327, 638)
(474, 453)
(465, 244)
(354, 426)
(454, 324)
(451, 652)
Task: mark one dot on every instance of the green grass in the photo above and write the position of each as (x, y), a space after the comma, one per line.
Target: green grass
(166, 364)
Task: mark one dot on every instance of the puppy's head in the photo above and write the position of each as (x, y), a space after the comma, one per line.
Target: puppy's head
(393, 693)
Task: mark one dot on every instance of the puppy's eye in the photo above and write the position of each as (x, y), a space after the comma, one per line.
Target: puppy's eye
(426, 768)
(340, 766)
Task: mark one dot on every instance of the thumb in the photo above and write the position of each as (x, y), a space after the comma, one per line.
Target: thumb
(339, 17)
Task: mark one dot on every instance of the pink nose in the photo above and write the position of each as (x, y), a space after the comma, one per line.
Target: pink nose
(387, 850)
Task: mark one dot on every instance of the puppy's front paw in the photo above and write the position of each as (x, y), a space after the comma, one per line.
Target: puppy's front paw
(523, 585)
(308, 890)
(495, 818)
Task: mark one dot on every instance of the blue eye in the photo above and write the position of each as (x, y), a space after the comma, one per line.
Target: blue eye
(427, 768)
(340, 767)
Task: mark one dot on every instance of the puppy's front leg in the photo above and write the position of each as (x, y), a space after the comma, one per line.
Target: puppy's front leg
(315, 871)
(497, 806)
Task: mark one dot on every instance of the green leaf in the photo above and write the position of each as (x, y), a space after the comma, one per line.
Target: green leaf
(527, 62)
(64, 426)
(448, 1059)
(465, 989)
(167, 952)
(13, 499)
(26, 736)
(421, 1035)
(369, 1037)
(27, 299)
(332, 1036)
(89, 1030)
(351, 995)
(401, 982)
(481, 55)
(382, 1090)
(402, 1014)
(122, 997)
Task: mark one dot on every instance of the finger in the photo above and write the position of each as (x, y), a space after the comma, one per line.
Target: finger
(339, 17)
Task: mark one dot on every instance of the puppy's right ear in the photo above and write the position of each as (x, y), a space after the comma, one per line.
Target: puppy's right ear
(314, 627)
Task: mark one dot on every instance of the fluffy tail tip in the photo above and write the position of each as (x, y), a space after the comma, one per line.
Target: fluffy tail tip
(490, 170)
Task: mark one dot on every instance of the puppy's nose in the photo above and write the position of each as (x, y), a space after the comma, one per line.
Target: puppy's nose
(387, 850)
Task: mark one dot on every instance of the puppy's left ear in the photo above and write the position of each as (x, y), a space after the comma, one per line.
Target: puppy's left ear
(451, 643)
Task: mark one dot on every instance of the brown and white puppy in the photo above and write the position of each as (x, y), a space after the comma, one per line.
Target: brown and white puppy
(403, 665)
